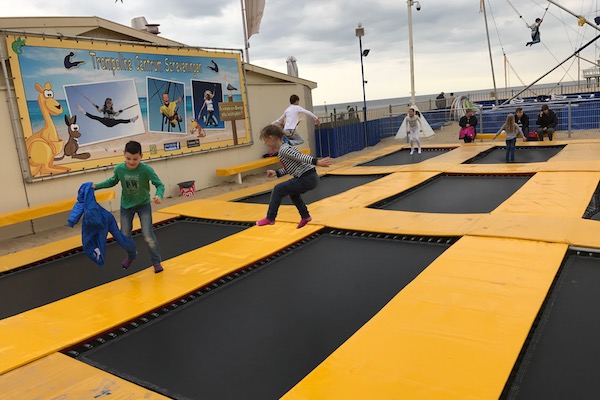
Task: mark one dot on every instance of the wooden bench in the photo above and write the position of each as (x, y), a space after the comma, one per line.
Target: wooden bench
(45, 210)
(249, 166)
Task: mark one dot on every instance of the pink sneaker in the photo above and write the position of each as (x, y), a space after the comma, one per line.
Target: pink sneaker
(126, 263)
(303, 222)
(265, 221)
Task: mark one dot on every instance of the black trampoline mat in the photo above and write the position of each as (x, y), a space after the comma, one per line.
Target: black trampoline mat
(497, 155)
(456, 194)
(402, 157)
(38, 285)
(329, 185)
(260, 334)
(561, 360)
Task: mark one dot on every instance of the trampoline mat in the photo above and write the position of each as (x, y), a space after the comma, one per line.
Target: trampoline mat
(456, 194)
(402, 157)
(257, 336)
(561, 359)
(329, 185)
(46, 282)
(497, 155)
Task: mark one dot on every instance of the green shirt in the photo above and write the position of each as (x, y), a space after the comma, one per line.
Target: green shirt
(135, 184)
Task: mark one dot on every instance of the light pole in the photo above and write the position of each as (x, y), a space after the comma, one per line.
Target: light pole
(409, 4)
(360, 32)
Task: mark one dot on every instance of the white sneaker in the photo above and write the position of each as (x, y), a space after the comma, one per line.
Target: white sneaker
(419, 151)
(412, 152)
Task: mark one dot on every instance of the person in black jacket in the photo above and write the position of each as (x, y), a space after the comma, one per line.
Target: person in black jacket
(547, 121)
(469, 119)
(522, 121)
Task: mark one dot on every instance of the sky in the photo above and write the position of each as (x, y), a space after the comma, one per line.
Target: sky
(449, 39)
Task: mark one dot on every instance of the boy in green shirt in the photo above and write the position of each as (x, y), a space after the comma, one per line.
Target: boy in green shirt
(135, 178)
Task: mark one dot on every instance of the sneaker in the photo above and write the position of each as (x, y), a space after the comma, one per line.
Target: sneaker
(126, 263)
(158, 268)
(303, 222)
(265, 221)
(412, 152)
(419, 151)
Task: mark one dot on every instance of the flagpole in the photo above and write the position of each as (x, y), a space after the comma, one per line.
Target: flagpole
(245, 31)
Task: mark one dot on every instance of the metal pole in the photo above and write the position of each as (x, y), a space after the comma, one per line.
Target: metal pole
(490, 51)
(575, 15)
(362, 71)
(409, 4)
(246, 44)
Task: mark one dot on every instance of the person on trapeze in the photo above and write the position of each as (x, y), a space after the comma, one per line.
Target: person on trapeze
(535, 32)
(109, 117)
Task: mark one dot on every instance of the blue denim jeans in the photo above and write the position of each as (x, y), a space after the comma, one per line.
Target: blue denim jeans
(295, 139)
(144, 212)
(294, 188)
(510, 149)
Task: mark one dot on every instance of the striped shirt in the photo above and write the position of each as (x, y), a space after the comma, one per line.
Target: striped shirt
(294, 162)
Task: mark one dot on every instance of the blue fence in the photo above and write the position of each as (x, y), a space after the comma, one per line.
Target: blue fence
(344, 136)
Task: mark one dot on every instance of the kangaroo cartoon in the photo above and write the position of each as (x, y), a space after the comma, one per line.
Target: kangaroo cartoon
(44, 145)
(72, 145)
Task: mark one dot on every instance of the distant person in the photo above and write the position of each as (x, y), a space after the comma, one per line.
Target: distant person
(512, 131)
(413, 127)
(440, 101)
(300, 166)
(169, 109)
(135, 178)
(523, 121)
(547, 121)
(351, 112)
(535, 32)
(469, 120)
(291, 116)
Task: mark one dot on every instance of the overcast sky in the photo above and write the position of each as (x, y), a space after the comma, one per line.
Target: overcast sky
(450, 47)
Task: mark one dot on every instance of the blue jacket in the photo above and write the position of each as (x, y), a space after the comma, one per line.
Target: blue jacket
(97, 222)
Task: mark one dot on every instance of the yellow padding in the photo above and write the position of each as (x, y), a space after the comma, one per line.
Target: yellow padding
(60, 377)
(44, 210)
(21, 258)
(455, 332)
(553, 194)
(249, 166)
(36, 333)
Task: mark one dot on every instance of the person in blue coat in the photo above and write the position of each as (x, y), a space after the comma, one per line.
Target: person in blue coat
(97, 222)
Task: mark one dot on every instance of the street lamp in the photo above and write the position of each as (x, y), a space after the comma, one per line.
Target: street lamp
(417, 5)
(360, 32)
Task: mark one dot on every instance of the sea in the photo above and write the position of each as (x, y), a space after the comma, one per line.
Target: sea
(474, 95)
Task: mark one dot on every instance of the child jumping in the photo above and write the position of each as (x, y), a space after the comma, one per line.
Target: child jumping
(512, 130)
(135, 178)
(291, 118)
(413, 126)
(300, 166)
(535, 32)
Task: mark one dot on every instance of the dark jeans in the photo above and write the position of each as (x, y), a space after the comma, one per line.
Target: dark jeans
(294, 188)
(541, 132)
(144, 212)
(510, 149)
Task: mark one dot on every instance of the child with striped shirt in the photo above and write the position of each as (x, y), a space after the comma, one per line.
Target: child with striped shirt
(300, 166)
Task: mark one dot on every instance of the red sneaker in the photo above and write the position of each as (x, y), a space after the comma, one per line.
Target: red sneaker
(303, 222)
(265, 221)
